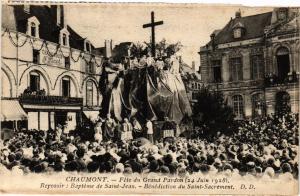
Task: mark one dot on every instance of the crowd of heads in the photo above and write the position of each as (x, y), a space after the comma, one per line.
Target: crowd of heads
(264, 148)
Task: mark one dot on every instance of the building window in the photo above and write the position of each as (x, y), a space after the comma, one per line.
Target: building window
(66, 88)
(257, 65)
(238, 106)
(236, 69)
(257, 108)
(27, 9)
(34, 82)
(35, 56)
(64, 38)
(67, 62)
(237, 33)
(217, 71)
(194, 95)
(87, 47)
(283, 63)
(89, 93)
(33, 29)
(90, 67)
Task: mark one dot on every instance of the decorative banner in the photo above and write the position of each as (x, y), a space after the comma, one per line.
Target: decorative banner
(47, 58)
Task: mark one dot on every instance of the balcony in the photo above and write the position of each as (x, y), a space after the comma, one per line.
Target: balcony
(237, 84)
(50, 100)
(272, 80)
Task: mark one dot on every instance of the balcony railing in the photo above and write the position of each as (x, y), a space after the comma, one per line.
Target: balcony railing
(50, 100)
(273, 80)
(237, 84)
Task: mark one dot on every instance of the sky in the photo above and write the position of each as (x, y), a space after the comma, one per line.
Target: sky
(190, 24)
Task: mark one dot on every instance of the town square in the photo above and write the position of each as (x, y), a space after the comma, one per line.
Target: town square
(106, 90)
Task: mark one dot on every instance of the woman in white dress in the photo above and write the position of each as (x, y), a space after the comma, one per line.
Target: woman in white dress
(126, 131)
(98, 132)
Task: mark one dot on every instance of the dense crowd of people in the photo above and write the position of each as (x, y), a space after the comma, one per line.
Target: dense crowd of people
(267, 147)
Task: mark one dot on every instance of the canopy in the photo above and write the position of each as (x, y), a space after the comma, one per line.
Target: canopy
(11, 110)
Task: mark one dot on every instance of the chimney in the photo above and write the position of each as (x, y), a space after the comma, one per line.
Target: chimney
(58, 14)
(108, 50)
(212, 38)
(193, 66)
(111, 45)
(238, 14)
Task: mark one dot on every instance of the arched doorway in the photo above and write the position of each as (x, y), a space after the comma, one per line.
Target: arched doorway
(283, 63)
(282, 103)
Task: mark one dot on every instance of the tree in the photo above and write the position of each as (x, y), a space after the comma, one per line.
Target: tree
(212, 113)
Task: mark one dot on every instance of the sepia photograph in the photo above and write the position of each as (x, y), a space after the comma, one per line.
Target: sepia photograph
(149, 98)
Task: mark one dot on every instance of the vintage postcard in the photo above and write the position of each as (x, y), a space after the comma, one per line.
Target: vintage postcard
(149, 98)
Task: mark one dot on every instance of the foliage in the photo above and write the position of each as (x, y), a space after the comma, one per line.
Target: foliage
(165, 49)
(138, 50)
(212, 113)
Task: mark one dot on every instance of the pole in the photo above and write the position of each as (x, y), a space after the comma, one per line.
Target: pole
(153, 34)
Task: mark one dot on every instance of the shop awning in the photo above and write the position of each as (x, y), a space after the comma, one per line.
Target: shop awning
(92, 115)
(11, 110)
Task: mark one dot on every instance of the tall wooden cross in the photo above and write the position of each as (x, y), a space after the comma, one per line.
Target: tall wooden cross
(152, 24)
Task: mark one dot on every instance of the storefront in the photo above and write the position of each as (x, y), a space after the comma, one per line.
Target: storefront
(48, 112)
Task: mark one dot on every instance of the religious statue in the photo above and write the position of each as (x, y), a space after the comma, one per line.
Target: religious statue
(109, 127)
(98, 132)
(175, 65)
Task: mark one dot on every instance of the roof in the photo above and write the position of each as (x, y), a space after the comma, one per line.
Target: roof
(188, 73)
(254, 27)
(15, 18)
(216, 32)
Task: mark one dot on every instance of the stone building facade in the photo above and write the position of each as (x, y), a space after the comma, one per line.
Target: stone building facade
(192, 82)
(254, 60)
(47, 68)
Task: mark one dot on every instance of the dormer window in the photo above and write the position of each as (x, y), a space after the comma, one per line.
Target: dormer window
(238, 30)
(64, 37)
(33, 27)
(87, 46)
(237, 33)
(282, 14)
